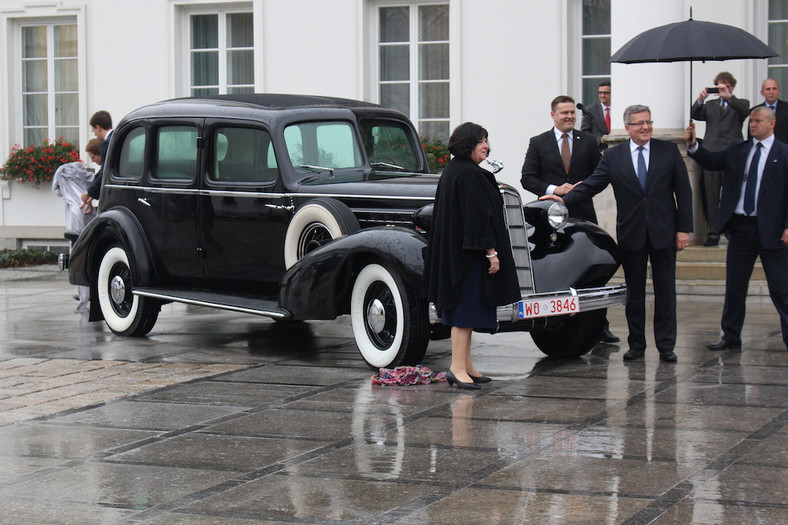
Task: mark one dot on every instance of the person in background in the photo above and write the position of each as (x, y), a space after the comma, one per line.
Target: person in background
(654, 220)
(468, 262)
(596, 118)
(70, 181)
(770, 90)
(101, 125)
(754, 216)
(724, 117)
(560, 158)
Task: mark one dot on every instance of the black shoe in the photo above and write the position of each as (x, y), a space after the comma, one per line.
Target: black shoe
(609, 337)
(631, 355)
(480, 380)
(712, 241)
(722, 344)
(452, 379)
(668, 357)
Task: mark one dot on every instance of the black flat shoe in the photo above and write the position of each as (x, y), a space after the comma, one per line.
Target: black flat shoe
(722, 344)
(480, 380)
(452, 379)
(609, 337)
(631, 355)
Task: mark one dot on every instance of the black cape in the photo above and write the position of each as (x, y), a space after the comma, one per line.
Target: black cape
(468, 219)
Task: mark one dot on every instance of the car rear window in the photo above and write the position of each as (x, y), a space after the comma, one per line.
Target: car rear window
(176, 153)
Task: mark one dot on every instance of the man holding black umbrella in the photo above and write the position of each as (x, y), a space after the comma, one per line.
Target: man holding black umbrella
(724, 117)
(754, 214)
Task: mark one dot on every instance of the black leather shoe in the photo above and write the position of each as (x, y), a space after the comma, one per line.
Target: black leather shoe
(631, 355)
(480, 380)
(609, 337)
(722, 344)
(668, 357)
(712, 241)
(452, 379)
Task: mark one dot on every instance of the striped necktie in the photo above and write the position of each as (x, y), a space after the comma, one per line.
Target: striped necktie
(566, 156)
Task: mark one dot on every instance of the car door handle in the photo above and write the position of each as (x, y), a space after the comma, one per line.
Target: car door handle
(280, 207)
(144, 201)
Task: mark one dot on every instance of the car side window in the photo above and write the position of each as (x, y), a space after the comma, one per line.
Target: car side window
(389, 143)
(176, 153)
(325, 144)
(243, 155)
(132, 155)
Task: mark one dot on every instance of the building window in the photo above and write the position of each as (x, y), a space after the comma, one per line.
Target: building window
(778, 40)
(221, 53)
(595, 47)
(49, 83)
(413, 70)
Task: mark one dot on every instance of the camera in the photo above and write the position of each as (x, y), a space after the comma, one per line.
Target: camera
(712, 90)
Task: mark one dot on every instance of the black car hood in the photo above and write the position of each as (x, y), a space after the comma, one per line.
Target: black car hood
(375, 183)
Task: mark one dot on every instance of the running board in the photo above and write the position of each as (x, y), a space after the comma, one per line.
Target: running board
(235, 303)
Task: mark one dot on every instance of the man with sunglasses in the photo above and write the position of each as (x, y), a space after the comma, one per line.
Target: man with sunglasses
(654, 220)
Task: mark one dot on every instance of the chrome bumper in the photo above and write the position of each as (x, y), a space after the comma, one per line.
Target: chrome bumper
(590, 299)
(62, 261)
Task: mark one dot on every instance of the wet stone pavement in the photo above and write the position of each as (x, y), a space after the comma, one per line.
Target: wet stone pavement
(221, 418)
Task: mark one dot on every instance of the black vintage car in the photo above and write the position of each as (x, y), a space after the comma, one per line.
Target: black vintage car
(304, 207)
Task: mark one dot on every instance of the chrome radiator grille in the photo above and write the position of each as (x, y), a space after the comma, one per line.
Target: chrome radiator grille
(518, 236)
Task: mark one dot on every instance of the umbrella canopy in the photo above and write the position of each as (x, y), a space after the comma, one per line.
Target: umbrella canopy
(691, 40)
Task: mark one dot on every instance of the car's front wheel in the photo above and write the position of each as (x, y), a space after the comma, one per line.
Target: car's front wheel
(573, 338)
(125, 313)
(389, 318)
(316, 223)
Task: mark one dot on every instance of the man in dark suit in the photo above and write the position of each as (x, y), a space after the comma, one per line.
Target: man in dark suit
(770, 90)
(596, 118)
(754, 213)
(101, 125)
(724, 117)
(547, 171)
(654, 219)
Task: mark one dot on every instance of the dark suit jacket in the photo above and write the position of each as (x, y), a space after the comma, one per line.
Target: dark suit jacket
(543, 166)
(722, 130)
(656, 213)
(594, 121)
(94, 190)
(781, 126)
(772, 199)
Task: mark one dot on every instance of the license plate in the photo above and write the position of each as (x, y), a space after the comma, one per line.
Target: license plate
(549, 306)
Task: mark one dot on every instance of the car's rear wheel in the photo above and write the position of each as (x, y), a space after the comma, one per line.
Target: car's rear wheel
(316, 223)
(125, 313)
(389, 318)
(574, 337)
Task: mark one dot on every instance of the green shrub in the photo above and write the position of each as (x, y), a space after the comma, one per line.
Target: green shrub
(17, 258)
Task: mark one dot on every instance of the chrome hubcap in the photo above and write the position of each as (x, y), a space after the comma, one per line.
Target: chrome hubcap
(376, 316)
(117, 289)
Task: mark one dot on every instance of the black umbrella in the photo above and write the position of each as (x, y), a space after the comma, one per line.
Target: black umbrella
(691, 40)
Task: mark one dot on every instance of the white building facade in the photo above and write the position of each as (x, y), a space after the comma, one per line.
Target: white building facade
(442, 62)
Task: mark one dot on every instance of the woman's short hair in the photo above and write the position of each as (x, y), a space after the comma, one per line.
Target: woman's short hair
(94, 146)
(465, 138)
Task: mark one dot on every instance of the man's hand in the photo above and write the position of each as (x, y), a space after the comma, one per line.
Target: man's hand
(551, 198)
(87, 203)
(784, 238)
(725, 93)
(563, 189)
(703, 95)
(689, 135)
(682, 240)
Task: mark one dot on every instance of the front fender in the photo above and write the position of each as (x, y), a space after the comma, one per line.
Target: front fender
(319, 285)
(114, 226)
(582, 255)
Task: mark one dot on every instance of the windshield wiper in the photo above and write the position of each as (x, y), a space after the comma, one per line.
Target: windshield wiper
(317, 169)
(386, 165)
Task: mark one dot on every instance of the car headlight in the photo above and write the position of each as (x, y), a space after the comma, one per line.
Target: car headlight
(557, 214)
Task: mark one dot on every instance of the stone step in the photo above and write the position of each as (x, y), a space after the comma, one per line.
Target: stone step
(700, 270)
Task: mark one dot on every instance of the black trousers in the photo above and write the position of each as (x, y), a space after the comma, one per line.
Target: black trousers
(663, 267)
(744, 247)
